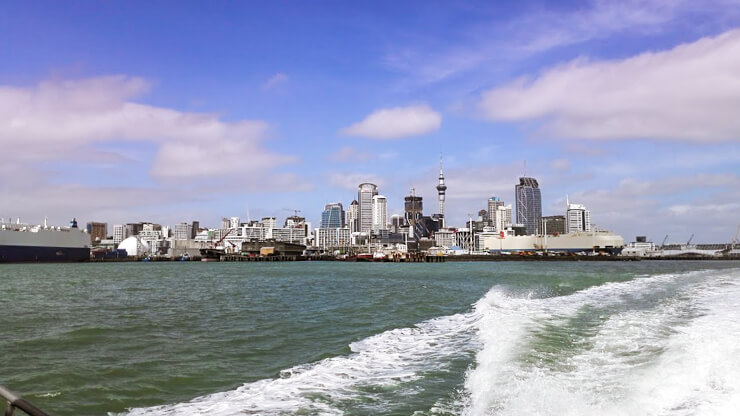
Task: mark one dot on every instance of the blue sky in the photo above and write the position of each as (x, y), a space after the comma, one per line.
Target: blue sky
(175, 111)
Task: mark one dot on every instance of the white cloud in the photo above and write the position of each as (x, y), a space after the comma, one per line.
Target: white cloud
(560, 165)
(689, 93)
(58, 119)
(275, 80)
(397, 122)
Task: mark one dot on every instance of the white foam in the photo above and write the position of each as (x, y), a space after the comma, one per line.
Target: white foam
(387, 359)
(645, 358)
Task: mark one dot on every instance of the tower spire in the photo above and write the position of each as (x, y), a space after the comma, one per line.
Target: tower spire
(441, 190)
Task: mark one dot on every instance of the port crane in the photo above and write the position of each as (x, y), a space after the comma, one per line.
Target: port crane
(664, 240)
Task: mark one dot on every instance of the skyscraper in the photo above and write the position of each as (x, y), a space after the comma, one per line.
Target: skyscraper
(528, 204)
(493, 204)
(441, 189)
(365, 194)
(333, 216)
(380, 213)
(578, 218)
(502, 217)
(353, 215)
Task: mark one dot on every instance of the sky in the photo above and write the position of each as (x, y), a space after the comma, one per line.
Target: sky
(179, 111)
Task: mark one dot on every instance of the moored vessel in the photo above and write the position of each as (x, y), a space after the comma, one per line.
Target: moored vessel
(23, 243)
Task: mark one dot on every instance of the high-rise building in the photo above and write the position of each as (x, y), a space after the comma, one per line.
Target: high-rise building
(502, 217)
(98, 231)
(578, 218)
(269, 222)
(365, 194)
(493, 204)
(380, 213)
(119, 233)
(441, 190)
(134, 228)
(528, 204)
(412, 211)
(353, 215)
(333, 216)
(195, 229)
(183, 231)
(553, 225)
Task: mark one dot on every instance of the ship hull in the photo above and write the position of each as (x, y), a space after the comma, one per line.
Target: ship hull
(40, 254)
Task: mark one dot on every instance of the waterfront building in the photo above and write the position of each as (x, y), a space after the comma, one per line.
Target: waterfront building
(578, 218)
(119, 233)
(98, 231)
(396, 223)
(502, 217)
(380, 213)
(133, 228)
(329, 238)
(444, 238)
(195, 229)
(441, 191)
(365, 194)
(553, 225)
(269, 222)
(353, 216)
(234, 222)
(333, 216)
(528, 204)
(412, 211)
(183, 231)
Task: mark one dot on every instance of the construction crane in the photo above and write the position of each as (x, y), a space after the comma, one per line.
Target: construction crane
(664, 240)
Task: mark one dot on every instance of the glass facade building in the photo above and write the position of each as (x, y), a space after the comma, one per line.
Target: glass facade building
(528, 204)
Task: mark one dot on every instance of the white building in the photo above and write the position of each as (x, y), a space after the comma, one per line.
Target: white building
(502, 219)
(353, 216)
(326, 238)
(444, 238)
(183, 231)
(119, 233)
(365, 194)
(234, 222)
(380, 213)
(577, 219)
(493, 204)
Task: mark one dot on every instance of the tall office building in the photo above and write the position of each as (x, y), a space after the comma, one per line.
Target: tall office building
(441, 190)
(493, 204)
(183, 231)
(365, 194)
(98, 231)
(380, 213)
(528, 204)
(553, 225)
(119, 233)
(333, 216)
(578, 218)
(353, 216)
(502, 217)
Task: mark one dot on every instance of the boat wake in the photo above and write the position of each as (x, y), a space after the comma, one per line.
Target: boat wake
(379, 368)
(658, 345)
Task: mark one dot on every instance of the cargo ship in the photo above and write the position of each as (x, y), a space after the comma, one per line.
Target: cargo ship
(579, 242)
(23, 243)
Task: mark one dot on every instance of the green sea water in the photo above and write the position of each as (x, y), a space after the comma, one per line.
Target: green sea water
(311, 338)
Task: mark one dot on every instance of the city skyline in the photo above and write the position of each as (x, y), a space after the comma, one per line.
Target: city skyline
(272, 108)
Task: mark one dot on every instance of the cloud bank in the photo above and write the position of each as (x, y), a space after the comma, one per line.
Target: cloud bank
(687, 93)
(396, 123)
(56, 119)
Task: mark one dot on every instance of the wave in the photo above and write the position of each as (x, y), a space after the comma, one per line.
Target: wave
(387, 361)
(667, 344)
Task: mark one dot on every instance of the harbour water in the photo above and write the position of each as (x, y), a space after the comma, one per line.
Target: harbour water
(326, 338)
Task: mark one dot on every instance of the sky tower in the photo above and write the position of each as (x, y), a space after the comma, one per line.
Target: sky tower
(441, 188)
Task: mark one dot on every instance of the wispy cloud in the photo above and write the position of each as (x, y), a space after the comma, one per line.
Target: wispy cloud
(490, 43)
(689, 93)
(397, 122)
(275, 81)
